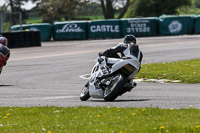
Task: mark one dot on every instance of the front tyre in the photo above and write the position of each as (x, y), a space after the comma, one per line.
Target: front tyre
(84, 95)
(113, 90)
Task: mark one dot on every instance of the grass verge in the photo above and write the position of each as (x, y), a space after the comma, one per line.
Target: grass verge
(33, 20)
(99, 119)
(187, 71)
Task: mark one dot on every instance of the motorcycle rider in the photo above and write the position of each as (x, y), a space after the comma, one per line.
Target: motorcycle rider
(3, 40)
(120, 51)
(4, 49)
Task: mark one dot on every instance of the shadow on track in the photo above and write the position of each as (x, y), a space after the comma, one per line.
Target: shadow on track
(123, 100)
(6, 85)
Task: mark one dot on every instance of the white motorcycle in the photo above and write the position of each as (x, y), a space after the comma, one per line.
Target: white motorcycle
(109, 78)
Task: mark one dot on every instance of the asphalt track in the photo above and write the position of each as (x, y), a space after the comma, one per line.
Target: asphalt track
(50, 75)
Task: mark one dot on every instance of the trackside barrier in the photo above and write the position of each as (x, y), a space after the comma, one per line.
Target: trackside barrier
(197, 25)
(23, 39)
(73, 30)
(115, 28)
(104, 29)
(44, 28)
(176, 25)
(140, 26)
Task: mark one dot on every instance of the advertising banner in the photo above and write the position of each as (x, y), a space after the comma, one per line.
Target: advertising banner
(176, 25)
(73, 30)
(197, 25)
(104, 29)
(44, 28)
(140, 26)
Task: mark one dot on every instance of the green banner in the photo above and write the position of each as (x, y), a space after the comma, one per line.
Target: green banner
(197, 25)
(176, 25)
(104, 29)
(74, 30)
(140, 26)
(44, 28)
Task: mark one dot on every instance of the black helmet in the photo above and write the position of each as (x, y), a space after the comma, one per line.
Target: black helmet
(130, 39)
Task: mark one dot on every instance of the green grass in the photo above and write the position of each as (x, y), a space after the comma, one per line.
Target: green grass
(188, 11)
(187, 71)
(96, 17)
(6, 27)
(92, 17)
(33, 20)
(99, 119)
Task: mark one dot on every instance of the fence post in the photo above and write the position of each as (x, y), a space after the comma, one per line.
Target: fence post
(1, 15)
(20, 20)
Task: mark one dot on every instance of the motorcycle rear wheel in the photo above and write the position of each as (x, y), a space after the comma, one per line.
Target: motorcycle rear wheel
(84, 95)
(111, 93)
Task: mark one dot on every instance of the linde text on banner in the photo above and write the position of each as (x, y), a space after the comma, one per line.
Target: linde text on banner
(70, 28)
(104, 28)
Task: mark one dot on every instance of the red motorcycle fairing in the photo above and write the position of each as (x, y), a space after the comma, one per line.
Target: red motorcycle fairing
(4, 55)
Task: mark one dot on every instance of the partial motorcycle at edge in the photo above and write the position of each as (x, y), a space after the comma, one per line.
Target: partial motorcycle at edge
(4, 52)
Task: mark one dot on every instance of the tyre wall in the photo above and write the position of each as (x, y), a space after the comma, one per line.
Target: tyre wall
(23, 39)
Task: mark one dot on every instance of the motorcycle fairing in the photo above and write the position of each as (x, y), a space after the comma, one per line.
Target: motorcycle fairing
(94, 91)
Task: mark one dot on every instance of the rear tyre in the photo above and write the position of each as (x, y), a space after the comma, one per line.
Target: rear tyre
(112, 92)
(84, 95)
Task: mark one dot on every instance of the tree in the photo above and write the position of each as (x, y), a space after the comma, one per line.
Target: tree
(111, 7)
(16, 6)
(3, 8)
(91, 8)
(70, 8)
(152, 8)
(197, 3)
(52, 10)
(193, 9)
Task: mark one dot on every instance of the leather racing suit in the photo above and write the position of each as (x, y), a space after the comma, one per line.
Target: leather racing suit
(121, 51)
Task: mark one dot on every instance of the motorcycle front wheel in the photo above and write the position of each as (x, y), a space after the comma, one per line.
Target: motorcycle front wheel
(84, 95)
(113, 90)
